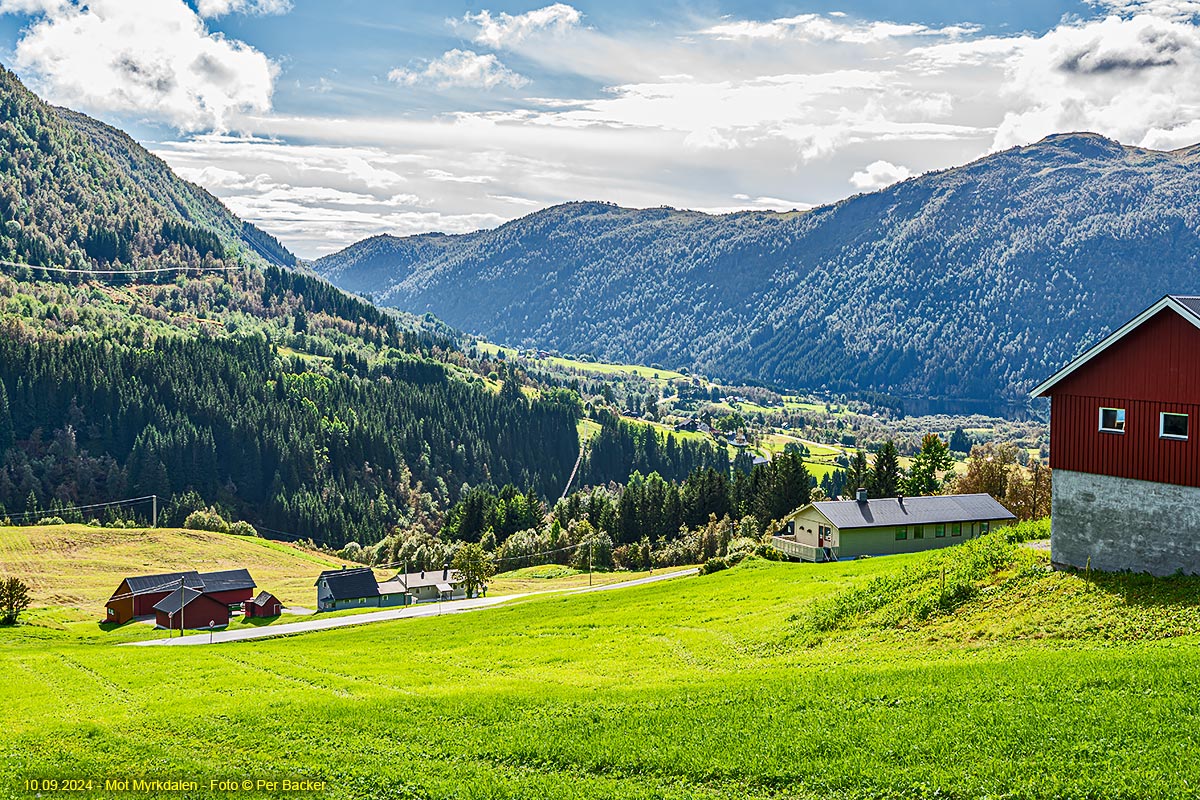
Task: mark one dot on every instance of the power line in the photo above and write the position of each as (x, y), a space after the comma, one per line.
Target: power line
(69, 271)
(49, 511)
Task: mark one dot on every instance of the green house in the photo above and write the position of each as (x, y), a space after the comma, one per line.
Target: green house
(832, 529)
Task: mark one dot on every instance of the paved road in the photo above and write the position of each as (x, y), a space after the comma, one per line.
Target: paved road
(423, 610)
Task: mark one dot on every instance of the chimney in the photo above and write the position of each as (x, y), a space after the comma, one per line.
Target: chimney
(900, 499)
(422, 574)
(861, 495)
(445, 573)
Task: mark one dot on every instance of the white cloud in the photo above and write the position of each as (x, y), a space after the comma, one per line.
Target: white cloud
(461, 68)
(1133, 78)
(219, 8)
(506, 30)
(879, 174)
(154, 58)
(831, 28)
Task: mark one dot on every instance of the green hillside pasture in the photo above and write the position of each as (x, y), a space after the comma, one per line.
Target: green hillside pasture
(698, 688)
(78, 567)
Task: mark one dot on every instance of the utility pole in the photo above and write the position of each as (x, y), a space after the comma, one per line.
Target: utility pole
(181, 606)
(154, 516)
(591, 548)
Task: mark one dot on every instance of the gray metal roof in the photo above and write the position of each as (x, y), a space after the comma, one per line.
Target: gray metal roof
(164, 582)
(171, 603)
(894, 512)
(348, 584)
(263, 598)
(227, 580)
(430, 577)
(1189, 302)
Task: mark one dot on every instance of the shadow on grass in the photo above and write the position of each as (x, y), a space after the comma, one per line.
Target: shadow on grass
(258, 622)
(1139, 589)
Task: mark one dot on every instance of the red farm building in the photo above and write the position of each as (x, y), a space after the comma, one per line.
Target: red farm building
(138, 596)
(265, 605)
(1125, 446)
(190, 608)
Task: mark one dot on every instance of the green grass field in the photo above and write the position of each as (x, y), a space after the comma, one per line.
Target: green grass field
(765, 681)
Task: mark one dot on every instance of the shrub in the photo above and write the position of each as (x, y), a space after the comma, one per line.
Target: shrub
(714, 564)
(206, 520)
(51, 521)
(14, 598)
(242, 528)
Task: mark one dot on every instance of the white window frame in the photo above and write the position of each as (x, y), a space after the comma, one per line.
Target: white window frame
(1121, 421)
(1162, 418)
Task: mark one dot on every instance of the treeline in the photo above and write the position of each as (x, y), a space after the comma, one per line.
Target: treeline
(329, 456)
(622, 448)
(648, 521)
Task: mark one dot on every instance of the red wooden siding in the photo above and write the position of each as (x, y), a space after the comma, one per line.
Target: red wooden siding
(196, 614)
(232, 596)
(1155, 368)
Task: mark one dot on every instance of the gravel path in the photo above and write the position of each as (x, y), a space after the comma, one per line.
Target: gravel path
(423, 610)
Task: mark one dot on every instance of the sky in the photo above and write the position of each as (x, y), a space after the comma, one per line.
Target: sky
(325, 123)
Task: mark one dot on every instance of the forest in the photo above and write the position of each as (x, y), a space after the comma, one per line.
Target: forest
(970, 283)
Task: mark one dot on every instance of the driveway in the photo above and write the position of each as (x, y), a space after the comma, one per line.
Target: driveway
(423, 610)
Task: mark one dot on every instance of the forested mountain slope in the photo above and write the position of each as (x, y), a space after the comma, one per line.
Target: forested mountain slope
(234, 383)
(77, 193)
(973, 282)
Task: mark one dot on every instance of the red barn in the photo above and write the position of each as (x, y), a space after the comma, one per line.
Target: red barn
(197, 608)
(1125, 447)
(265, 605)
(137, 597)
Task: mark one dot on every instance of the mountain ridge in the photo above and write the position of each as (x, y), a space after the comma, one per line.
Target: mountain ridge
(939, 285)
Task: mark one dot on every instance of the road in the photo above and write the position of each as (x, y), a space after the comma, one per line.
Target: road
(408, 612)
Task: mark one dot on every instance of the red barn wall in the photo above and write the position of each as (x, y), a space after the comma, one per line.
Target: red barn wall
(232, 596)
(1154, 368)
(197, 614)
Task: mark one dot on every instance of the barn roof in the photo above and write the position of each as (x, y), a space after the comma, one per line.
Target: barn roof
(896, 511)
(146, 584)
(227, 580)
(264, 597)
(177, 600)
(1187, 306)
(346, 584)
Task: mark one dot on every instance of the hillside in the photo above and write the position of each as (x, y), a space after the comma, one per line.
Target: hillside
(79, 194)
(971, 283)
(76, 567)
(695, 688)
(236, 383)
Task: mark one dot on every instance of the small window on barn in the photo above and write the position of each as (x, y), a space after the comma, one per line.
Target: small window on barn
(901, 533)
(956, 529)
(983, 528)
(1173, 426)
(940, 532)
(918, 532)
(1112, 420)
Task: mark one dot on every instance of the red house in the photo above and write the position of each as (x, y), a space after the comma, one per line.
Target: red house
(190, 608)
(265, 605)
(1125, 446)
(137, 597)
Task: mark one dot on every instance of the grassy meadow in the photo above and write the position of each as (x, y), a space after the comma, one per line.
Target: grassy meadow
(864, 679)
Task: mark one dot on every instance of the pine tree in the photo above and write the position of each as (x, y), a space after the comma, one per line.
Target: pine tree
(886, 475)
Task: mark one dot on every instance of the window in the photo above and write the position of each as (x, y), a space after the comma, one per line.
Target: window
(1172, 426)
(983, 528)
(956, 529)
(940, 532)
(901, 533)
(1112, 420)
(918, 532)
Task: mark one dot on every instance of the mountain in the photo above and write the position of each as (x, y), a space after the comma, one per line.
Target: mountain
(80, 194)
(969, 283)
(261, 391)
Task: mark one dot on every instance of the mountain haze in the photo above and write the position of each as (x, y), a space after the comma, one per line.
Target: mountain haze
(969, 283)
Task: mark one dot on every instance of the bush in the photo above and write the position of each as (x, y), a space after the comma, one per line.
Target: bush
(714, 564)
(14, 598)
(242, 528)
(51, 521)
(206, 520)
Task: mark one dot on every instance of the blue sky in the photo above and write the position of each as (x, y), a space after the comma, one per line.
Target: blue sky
(328, 122)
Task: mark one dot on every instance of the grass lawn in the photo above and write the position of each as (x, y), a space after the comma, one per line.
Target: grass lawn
(768, 680)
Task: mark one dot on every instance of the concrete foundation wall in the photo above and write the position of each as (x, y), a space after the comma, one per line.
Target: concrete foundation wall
(1124, 524)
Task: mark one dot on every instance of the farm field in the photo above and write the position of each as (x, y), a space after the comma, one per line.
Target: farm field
(766, 680)
(79, 566)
